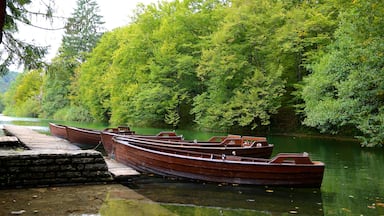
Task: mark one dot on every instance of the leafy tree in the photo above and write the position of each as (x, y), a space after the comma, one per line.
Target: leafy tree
(12, 49)
(24, 96)
(83, 30)
(242, 87)
(346, 86)
(153, 71)
(6, 80)
(56, 86)
(95, 72)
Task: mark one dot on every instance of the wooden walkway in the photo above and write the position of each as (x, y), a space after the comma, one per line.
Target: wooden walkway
(8, 139)
(38, 141)
(120, 171)
(41, 142)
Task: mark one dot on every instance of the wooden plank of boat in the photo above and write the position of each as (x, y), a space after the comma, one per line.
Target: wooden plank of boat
(58, 130)
(107, 135)
(89, 137)
(124, 130)
(229, 145)
(295, 170)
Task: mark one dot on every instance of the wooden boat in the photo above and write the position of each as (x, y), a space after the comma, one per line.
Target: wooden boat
(285, 169)
(88, 137)
(230, 145)
(108, 134)
(123, 130)
(58, 130)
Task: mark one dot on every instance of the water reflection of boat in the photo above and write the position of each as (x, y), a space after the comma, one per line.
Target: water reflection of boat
(229, 145)
(243, 199)
(283, 169)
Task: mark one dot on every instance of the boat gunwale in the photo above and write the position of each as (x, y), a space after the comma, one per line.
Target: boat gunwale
(91, 131)
(186, 144)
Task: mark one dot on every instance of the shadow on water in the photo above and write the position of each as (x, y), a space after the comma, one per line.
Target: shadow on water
(158, 196)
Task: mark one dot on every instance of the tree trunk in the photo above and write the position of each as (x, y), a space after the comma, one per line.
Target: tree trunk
(3, 5)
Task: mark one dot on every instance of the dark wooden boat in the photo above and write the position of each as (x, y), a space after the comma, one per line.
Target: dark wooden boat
(107, 135)
(286, 169)
(58, 130)
(88, 137)
(246, 146)
(123, 130)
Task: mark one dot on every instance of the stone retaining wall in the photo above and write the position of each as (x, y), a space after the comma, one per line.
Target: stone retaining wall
(54, 167)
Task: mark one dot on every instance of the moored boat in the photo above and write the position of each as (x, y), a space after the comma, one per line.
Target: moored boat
(58, 130)
(88, 137)
(107, 135)
(236, 145)
(285, 169)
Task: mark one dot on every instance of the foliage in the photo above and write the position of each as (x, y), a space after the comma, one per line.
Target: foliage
(12, 49)
(6, 80)
(222, 65)
(150, 72)
(2, 106)
(56, 86)
(24, 96)
(93, 73)
(73, 113)
(82, 31)
(346, 86)
(5, 83)
(243, 88)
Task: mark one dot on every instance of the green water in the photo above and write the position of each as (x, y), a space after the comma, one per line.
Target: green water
(353, 183)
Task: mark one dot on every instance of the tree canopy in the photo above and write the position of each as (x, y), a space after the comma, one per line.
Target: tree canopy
(82, 32)
(223, 65)
(14, 51)
(346, 85)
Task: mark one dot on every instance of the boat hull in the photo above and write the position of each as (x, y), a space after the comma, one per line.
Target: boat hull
(228, 169)
(58, 130)
(106, 139)
(90, 138)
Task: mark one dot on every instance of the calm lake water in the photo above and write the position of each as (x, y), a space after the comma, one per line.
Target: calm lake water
(353, 184)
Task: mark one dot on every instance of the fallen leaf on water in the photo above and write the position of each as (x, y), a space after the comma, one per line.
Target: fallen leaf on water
(380, 204)
(18, 212)
(345, 209)
(372, 206)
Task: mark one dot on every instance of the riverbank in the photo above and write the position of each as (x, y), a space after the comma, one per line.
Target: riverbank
(317, 136)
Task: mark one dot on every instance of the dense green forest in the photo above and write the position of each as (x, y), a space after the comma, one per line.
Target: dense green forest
(219, 64)
(6, 80)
